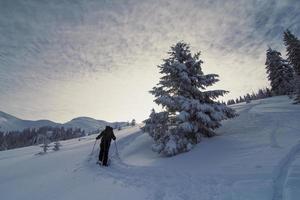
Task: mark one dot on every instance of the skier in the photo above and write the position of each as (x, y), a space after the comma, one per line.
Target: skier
(105, 136)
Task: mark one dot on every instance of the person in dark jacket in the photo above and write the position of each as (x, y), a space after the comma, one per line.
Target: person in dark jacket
(106, 135)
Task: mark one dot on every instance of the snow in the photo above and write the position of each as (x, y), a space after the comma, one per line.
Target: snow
(139, 153)
(2, 120)
(255, 156)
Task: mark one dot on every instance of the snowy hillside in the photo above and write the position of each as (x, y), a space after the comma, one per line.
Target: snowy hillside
(90, 124)
(11, 123)
(256, 156)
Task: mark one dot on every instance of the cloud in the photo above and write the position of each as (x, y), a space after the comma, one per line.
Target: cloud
(47, 48)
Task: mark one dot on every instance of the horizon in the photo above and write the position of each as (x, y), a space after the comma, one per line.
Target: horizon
(56, 121)
(61, 60)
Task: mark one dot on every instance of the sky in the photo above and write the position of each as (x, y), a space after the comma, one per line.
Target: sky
(62, 59)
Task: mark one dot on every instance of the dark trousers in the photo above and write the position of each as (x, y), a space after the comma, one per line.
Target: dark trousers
(103, 155)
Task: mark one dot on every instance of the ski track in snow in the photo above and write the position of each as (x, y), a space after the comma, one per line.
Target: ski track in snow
(162, 183)
(273, 138)
(284, 166)
(282, 172)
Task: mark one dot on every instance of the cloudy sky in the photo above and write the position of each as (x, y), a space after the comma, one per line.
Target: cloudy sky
(61, 59)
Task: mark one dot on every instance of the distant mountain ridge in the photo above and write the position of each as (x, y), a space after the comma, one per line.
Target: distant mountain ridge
(12, 123)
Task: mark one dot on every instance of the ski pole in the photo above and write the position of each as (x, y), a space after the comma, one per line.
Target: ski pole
(93, 147)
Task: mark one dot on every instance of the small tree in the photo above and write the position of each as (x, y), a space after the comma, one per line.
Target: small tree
(45, 146)
(57, 146)
(247, 98)
(133, 122)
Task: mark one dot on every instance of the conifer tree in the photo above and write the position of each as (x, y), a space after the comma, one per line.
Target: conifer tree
(231, 102)
(133, 122)
(57, 146)
(292, 44)
(241, 99)
(247, 98)
(280, 73)
(156, 126)
(45, 146)
(190, 111)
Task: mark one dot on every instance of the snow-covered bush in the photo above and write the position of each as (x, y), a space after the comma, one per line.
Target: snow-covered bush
(189, 110)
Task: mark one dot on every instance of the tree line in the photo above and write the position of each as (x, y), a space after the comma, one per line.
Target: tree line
(283, 73)
(35, 136)
(260, 94)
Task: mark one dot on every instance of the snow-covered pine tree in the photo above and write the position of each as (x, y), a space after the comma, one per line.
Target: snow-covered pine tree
(231, 102)
(241, 99)
(247, 98)
(268, 93)
(189, 110)
(57, 146)
(45, 146)
(157, 125)
(280, 73)
(133, 122)
(292, 44)
(3, 143)
(260, 94)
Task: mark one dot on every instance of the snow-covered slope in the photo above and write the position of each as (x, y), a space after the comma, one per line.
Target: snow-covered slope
(11, 123)
(90, 124)
(256, 156)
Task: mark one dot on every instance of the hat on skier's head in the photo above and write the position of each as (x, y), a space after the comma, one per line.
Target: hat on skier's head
(108, 127)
